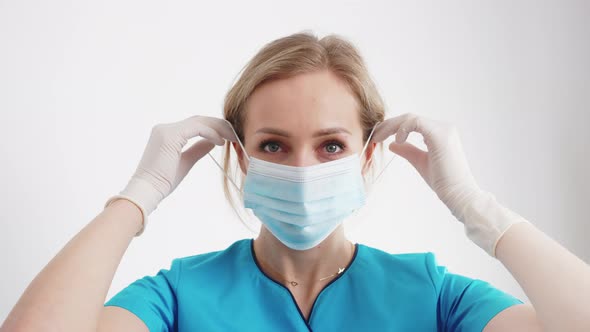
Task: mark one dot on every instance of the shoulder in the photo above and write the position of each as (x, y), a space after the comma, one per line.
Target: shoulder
(409, 259)
(421, 267)
(462, 303)
(414, 265)
(398, 278)
(229, 252)
(213, 261)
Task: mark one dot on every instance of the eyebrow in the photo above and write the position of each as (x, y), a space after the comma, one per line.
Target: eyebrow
(322, 132)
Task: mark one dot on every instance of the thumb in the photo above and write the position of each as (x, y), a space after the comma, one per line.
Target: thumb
(410, 152)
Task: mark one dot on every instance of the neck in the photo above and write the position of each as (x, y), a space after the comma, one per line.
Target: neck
(305, 267)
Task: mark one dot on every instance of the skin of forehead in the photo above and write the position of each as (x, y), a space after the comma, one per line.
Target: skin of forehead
(303, 105)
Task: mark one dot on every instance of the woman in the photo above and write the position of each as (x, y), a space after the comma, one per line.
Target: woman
(305, 121)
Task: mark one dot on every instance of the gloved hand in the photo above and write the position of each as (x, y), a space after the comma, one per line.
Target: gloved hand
(445, 169)
(164, 165)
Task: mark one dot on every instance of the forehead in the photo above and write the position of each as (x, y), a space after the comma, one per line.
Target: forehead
(303, 103)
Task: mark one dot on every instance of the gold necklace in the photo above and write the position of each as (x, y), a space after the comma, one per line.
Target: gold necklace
(295, 283)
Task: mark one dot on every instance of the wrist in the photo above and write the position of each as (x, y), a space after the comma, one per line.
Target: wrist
(142, 193)
(486, 221)
(458, 199)
(131, 214)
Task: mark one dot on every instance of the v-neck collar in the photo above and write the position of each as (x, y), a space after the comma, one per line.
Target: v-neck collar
(307, 323)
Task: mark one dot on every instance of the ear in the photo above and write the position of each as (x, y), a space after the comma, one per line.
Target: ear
(240, 154)
(368, 161)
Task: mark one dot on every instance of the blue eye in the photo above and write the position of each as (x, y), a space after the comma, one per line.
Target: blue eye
(269, 146)
(273, 147)
(333, 147)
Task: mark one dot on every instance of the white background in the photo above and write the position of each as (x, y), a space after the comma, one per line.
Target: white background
(83, 83)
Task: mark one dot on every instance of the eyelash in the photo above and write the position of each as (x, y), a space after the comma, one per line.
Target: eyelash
(265, 142)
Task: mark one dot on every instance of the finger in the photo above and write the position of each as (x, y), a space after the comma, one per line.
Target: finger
(418, 124)
(406, 128)
(411, 153)
(407, 150)
(221, 126)
(212, 135)
(191, 156)
(197, 126)
(229, 130)
(389, 127)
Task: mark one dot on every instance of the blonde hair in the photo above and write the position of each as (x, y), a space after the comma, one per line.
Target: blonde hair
(297, 54)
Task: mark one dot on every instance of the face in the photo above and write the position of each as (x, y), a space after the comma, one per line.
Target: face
(304, 120)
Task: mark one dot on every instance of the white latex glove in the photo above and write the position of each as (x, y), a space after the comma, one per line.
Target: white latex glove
(444, 168)
(164, 165)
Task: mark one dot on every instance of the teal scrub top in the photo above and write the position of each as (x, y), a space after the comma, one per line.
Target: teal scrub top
(378, 291)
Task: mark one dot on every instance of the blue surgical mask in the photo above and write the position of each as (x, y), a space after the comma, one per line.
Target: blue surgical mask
(302, 206)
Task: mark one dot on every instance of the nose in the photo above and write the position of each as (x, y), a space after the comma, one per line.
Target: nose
(303, 157)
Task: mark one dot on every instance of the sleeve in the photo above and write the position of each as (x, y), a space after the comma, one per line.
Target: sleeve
(465, 304)
(152, 298)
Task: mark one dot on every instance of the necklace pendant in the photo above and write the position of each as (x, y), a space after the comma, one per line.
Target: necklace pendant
(293, 283)
(340, 270)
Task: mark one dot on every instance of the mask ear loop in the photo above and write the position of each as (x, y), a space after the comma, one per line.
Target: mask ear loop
(229, 177)
(369, 140)
(239, 142)
(238, 139)
(356, 211)
(371, 158)
(367, 144)
(383, 170)
(243, 150)
(224, 173)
